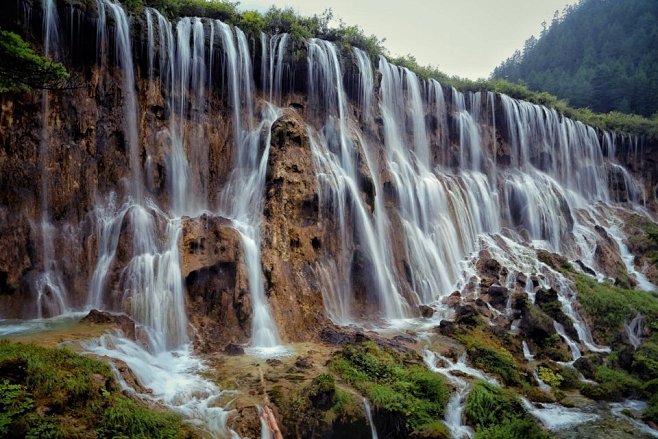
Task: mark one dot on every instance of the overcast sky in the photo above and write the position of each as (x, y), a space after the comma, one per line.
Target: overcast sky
(462, 37)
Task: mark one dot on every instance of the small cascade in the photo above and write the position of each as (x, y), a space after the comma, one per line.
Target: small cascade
(454, 371)
(371, 422)
(634, 330)
(642, 282)
(454, 417)
(556, 416)
(174, 380)
(573, 346)
(541, 384)
(526, 352)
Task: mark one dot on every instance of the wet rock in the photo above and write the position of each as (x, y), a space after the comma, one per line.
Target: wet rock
(454, 299)
(446, 327)
(273, 362)
(587, 364)
(335, 335)
(121, 321)
(547, 300)
(293, 240)
(233, 349)
(466, 315)
(206, 241)
(498, 296)
(585, 268)
(426, 311)
(535, 324)
(609, 261)
(553, 260)
(521, 279)
(303, 363)
(245, 421)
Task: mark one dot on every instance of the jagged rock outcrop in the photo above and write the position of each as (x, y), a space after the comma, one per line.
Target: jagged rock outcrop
(292, 234)
(216, 280)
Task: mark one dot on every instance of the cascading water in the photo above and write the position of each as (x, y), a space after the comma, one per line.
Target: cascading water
(441, 182)
(335, 162)
(242, 198)
(371, 422)
(50, 288)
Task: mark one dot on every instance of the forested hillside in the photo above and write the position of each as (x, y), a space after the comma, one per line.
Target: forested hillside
(601, 54)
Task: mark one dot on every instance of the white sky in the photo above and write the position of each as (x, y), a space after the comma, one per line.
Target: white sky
(462, 37)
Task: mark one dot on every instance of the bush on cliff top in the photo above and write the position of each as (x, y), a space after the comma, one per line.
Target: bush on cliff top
(56, 393)
(22, 69)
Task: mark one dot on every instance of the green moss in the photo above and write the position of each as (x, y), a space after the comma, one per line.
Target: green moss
(81, 395)
(518, 428)
(497, 413)
(410, 395)
(608, 306)
(433, 430)
(488, 404)
(124, 418)
(613, 385)
(487, 353)
(645, 361)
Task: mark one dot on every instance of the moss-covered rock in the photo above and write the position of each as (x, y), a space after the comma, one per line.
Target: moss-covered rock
(607, 307)
(486, 352)
(613, 385)
(497, 413)
(407, 398)
(56, 393)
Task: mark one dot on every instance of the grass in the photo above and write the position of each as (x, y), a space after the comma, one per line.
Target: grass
(487, 353)
(56, 393)
(613, 385)
(410, 397)
(495, 412)
(608, 306)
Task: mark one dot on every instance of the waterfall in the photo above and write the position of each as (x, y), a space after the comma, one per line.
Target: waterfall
(242, 198)
(50, 288)
(334, 156)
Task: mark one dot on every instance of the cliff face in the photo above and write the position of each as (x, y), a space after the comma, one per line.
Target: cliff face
(361, 198)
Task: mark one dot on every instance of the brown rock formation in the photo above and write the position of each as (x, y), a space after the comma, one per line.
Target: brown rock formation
(212, 264)
(292, 237)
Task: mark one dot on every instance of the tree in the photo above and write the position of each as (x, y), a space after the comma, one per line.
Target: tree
(22, 69)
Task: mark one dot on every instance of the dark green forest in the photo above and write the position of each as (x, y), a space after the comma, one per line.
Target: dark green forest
(601, 54)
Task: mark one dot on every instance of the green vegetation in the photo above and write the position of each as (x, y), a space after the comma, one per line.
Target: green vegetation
(412, 397)
(598, 54)
(613, 385)
(608, 306)
(553, 379)
(487, 353)
(56, 393)
(22, 69)
(497, 413)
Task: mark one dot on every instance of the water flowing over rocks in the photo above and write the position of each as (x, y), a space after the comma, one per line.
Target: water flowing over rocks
(224, 194)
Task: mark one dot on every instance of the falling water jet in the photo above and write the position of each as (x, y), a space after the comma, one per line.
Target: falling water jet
(51, 291)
